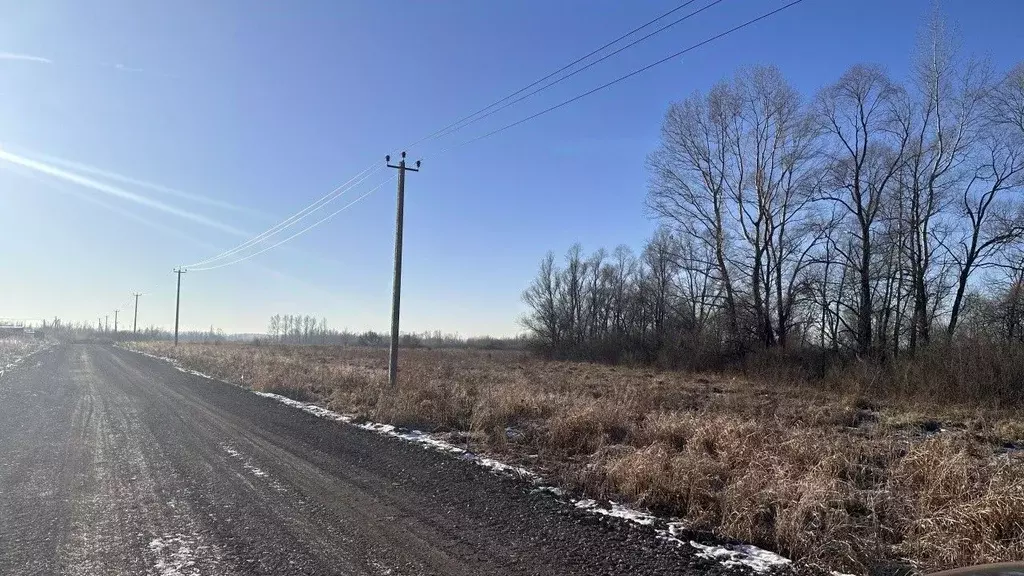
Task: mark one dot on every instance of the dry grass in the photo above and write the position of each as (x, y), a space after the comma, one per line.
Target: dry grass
(847, 482)
(11, 349)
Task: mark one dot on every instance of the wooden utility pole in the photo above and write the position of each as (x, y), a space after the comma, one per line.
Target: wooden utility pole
(177, 303)
(135, 318)
(396, 289)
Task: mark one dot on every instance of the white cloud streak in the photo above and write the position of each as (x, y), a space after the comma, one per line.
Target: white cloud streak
(24, 58)
(109, 175)
(118, 210)
(85, 182)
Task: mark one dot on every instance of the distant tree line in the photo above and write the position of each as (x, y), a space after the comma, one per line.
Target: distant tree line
(65, 330)
(297, 329)
(305, 329)
(872, 219)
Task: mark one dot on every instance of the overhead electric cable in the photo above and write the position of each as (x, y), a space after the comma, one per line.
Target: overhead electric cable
(299, 233)
(629, 75)
(451, 127)
(301, 214)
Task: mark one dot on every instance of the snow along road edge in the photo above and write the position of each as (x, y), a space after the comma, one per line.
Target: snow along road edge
(732, 555)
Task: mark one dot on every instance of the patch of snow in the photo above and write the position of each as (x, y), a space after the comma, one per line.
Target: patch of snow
(247, 464)
(741, 555)
(555, 490)
(617, 511)
(381, 568)
(176, 555)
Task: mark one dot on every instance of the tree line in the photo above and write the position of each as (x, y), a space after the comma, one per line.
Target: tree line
(872, 218)
(305, 329)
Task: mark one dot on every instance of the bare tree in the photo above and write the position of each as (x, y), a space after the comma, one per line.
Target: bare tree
(1006, 103)
(994, 217)
(865, 150)
(543, 298)
(689, 171)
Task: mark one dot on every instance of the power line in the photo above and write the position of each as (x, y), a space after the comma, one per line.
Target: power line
(299, 233)
(588, 66)
(294, 218)
(458, 125)
(629, 75)
(622, 78)
(444, 130)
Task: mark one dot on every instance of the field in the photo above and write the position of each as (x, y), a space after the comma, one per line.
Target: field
(836, 480)
(14, 349)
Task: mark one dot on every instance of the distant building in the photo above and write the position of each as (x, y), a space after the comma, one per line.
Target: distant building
(8, 330)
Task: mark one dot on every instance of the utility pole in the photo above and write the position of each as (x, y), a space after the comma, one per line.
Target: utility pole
(396, 289)
(115, 321)
(177, 303)
(135, 318)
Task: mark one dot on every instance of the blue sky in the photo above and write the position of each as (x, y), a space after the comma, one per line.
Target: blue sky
(200, 123)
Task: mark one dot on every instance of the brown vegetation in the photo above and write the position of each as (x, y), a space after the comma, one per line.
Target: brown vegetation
(835, 474)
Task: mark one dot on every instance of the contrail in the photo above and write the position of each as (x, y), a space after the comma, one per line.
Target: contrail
(177, 232)
(24, 58)
(56, 172)
(87, 169)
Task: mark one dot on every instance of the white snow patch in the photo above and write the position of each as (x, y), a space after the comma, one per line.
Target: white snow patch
(741, 555)
(549, 489)
(618, 511)
(247, 464)
(755, 558)
(176, 555)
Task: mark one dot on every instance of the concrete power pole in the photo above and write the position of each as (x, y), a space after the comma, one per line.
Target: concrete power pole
(135, 317)
(396, 290)
(115, 321)
(177, 303)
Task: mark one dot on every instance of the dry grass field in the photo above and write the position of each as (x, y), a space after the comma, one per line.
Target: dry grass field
(834, 479)
(12, 349)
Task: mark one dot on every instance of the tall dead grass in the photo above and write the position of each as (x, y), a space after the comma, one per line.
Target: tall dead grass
(843, 479)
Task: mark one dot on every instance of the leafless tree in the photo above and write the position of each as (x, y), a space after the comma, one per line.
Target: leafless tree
(866, 147)
(689, 173)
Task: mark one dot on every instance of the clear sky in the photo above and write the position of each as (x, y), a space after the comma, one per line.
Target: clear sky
(161, 133)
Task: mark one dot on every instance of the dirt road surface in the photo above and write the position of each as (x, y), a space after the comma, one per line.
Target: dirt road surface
(115, 463)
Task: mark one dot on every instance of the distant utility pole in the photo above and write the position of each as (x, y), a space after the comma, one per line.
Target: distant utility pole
(115, 321)
(135, 318)
(396, 290)
(177, 303)
(106, 323)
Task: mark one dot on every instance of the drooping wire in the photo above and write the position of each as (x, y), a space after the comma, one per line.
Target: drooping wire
(458, 125)
(625, 76)
(449, 128)
(299, 233)
(300, 215)
(584, 68)
(521, 121)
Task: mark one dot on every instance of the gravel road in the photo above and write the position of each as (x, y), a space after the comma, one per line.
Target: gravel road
(115, 463)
